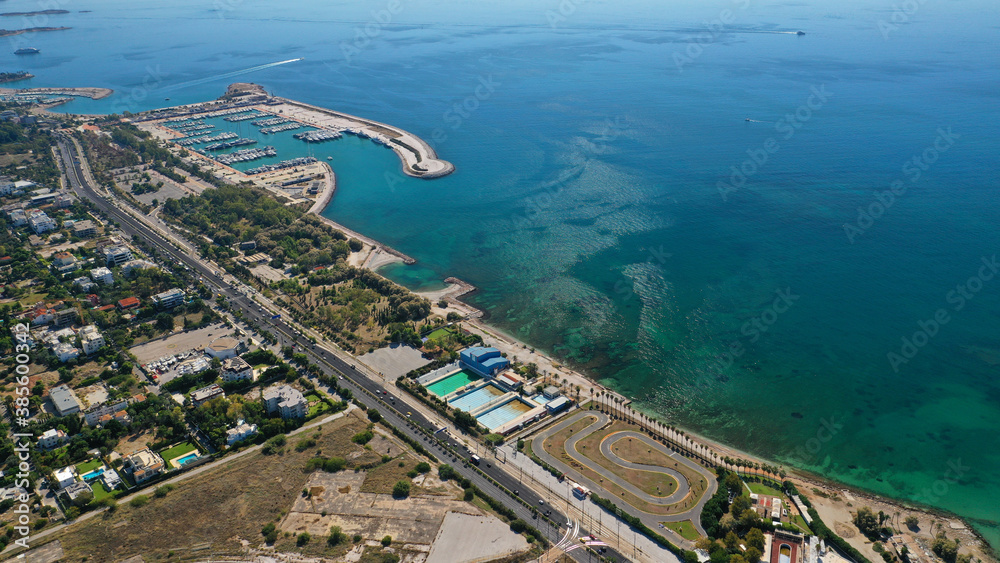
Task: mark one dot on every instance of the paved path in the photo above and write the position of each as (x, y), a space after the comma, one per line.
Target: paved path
(651, 520)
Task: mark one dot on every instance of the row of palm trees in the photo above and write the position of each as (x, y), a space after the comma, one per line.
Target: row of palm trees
(619, 407)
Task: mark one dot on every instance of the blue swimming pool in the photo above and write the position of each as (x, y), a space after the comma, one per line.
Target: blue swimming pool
(474, 399)
(187, 459)
(93, 474)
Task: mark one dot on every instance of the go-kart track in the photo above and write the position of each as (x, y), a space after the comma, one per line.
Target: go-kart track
(683, 503)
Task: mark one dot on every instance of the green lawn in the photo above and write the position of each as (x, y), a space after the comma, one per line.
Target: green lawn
(316, 405)
(99, 491)
(177, 451)
(762, 489)
(88, 466)
(443, 331)
(685, 529)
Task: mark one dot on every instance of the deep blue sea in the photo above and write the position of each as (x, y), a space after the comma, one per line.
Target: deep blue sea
(784, 242)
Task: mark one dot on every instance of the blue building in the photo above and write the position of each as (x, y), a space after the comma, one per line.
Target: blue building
(485, 361)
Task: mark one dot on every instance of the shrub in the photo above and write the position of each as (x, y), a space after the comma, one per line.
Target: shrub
(387, 541)
(362, 438)
(303, 539)
(446, 472)
(518, 526)
(336, 536)
(161, 492)
(139, 501)
(270, 532)
(356, 538)
(374, 415)
(412, 473)
(469, 494)
(401, 489)
(423, 467)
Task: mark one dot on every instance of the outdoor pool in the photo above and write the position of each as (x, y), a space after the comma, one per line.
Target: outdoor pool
(502, 414)
(451, 383)
(93, 474)
(474, 399)
(181, 462)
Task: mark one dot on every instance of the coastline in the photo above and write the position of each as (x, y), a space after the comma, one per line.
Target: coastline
(380, 255)
(92, 93)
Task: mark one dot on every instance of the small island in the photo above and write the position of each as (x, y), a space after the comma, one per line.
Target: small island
(9, 32)
(14, 76)
(39, 13)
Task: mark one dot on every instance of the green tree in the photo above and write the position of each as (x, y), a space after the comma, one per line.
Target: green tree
(401, 489)
(336, 536)
(867, 522)
(755, 538)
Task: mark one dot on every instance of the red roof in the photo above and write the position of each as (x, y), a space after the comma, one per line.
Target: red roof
(129, 302)
(106, 308)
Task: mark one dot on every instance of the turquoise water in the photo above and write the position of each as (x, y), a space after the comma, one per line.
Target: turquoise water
(586, 203)
(92, 475)
(496, 417)
(472, 400)
(187, 459)
(448, 385)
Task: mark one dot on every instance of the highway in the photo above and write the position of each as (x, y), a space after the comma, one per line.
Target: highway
(367, 389)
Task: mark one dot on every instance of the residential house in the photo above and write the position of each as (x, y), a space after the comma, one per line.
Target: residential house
(205, 394)
(84, 283)
(168, 299)
(84, 229)
(64, 262)
(78, 489)
(91, 339)
(66, 352)
(102, 275)
(128, 303)
(117, 255)
(131, 265)
(41, 223)
(241, 431)
(236, 369)
(64, 477)
(143, 465)
(286, 401)
(52, 439)
(17, 217)
(92, 416)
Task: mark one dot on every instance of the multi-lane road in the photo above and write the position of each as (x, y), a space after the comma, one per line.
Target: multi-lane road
(395, 407)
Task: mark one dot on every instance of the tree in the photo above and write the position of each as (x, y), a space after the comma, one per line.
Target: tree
(867, 522)
(753, 554)
(733, 484)
(755, 538)
(944, 548)
(386, 541)
(401, 489)
(732, 542)
(303, 539)
(912, 522)
(740, 505)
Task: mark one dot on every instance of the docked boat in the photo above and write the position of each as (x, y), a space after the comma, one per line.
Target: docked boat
(27, 51)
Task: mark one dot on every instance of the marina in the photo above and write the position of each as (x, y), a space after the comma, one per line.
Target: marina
(279, 128)
(318, 136)
(271, 121)
(225, 136)
(242, 142)
(301, 161)
(246, 155)
(246, 117)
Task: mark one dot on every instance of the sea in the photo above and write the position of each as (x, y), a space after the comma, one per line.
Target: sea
(784, 242)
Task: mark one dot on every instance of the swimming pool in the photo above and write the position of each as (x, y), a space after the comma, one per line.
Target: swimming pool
(93, 474)
(502, 414)
(181, 462)
(450, 384)
(540, 400)
(472, 400)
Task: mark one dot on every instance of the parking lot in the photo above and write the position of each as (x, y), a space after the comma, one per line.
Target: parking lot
(176, 346)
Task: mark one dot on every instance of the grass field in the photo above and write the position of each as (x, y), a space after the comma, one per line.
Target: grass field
(637, 451)
(443, 331)
(684, 528)
(762, 489)
(649, 482)
(177, 451)
(216, 509)
(316, 405)
(88, 466)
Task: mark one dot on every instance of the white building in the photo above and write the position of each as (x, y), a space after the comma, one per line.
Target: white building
(66, 352)
(168, 299)
(206, 394)
(64, 400)
(286, 401)
(127, 267)
(17, 217)
(102, 275)
(84, 283)
(7, 187)
(236, 369)
(64, 477)
(41, 223)
(143, 465)
(91, 339)
(242, 431)
(51, 439)
(117, 255)
(93, 415)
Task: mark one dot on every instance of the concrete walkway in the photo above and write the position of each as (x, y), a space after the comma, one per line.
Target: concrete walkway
(651, 520)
